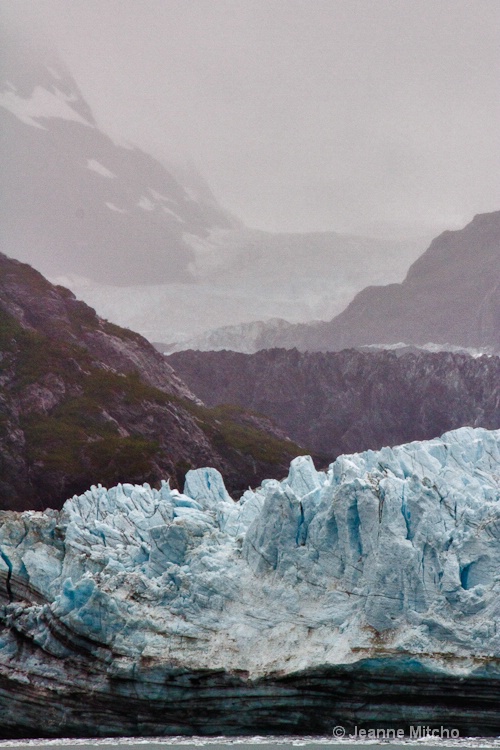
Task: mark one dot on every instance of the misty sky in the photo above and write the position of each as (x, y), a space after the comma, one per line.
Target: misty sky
(302, 115)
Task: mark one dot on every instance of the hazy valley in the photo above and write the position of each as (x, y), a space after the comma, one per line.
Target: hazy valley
(146, 243)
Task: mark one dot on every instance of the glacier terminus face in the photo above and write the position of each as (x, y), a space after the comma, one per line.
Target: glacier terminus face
(388, 557)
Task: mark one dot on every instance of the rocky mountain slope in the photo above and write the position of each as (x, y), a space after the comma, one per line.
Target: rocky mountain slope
(451, 295)
(82, 401)
(338, 402)
(78, 202)
(365, 596)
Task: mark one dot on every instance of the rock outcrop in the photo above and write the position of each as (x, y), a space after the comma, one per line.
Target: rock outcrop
(83, 400)
(342, 402)
(366, 595)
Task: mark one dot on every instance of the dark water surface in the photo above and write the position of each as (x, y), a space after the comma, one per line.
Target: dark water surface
(250, 743)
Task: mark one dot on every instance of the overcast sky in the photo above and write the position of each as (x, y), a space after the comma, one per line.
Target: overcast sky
(302, 114)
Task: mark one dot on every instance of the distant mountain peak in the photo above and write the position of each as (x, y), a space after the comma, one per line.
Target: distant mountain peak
(35, 84)
(78, 202)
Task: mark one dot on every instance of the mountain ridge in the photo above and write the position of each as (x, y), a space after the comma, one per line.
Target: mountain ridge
(441, 300)
(108, 202)
(348, 401)
(154, 250)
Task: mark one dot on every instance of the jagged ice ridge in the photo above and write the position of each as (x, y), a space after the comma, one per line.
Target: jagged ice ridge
(387, 553)
(405, 539)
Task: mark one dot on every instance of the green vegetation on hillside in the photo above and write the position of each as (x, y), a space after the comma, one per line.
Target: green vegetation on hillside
(91, 427)
(225, 425)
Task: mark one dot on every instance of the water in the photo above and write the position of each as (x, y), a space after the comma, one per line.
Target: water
(250, 743)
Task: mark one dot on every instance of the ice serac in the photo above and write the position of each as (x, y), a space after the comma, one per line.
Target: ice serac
(367, 594)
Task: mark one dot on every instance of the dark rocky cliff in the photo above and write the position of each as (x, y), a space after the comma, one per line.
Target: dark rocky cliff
(83, 401)
(349, 401)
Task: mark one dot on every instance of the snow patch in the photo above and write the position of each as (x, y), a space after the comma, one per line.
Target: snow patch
(96, 166)
(42, 104)
(159, 197)
(401, 346)
(172, 213)
(146, 204)
(244, 337)
(112, 207)
(66, 97)
(191, 194)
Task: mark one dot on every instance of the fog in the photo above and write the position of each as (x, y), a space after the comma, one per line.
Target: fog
(350, 115)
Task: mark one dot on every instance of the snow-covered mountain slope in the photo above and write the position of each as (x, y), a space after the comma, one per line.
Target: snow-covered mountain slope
(368, 593)
(245, 337)
(242, 276)
(145, 242)
(76, 202)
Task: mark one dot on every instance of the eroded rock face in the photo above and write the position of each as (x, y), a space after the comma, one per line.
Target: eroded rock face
(364, 594)
(349, 401)
(54, 312)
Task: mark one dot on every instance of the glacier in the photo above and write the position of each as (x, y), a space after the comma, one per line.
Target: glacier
(367, 594)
